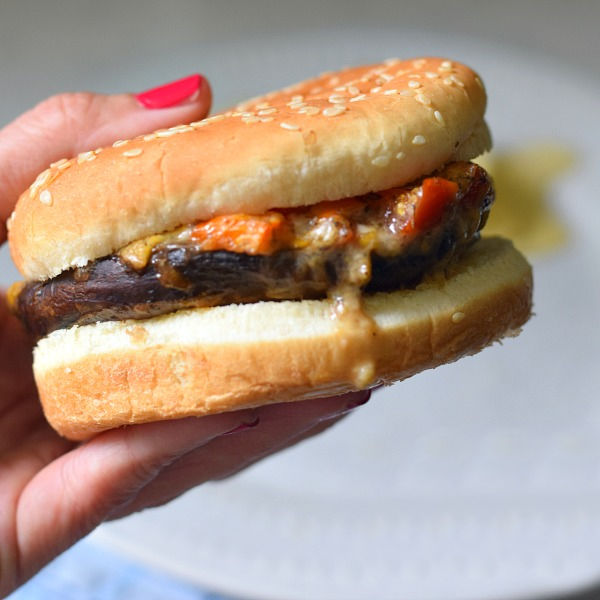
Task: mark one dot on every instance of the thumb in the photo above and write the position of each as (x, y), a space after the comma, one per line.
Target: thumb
(66, 124)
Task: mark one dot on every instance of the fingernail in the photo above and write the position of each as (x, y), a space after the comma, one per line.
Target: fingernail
(244, 426)
(172, 94)
(360, 400)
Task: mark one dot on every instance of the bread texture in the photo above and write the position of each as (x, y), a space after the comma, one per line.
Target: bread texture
(204, 361)
(342, 134)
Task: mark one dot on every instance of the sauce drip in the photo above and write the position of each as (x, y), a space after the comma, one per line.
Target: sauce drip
(357, 330)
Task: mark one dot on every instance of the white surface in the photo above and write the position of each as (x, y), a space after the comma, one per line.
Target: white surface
(477, 480)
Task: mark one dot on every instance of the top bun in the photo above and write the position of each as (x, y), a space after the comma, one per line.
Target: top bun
(341, 134)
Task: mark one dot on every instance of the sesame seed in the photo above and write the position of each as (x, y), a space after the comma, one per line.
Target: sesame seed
(390, 92)
(310, 110)
(413, 84)
(59, 163)
(457, 81)
(85, 157)
(381, 161)
(400, 155)
(387, 77)
(353, 90)
(250, 119)
(479, 82)
(289, 126)
(340, 88)
(457, 317)
(406, 93)
(446, 64)
(263, 105)
(414, 76)
(266, 119)
(267, 111)
(423, 99)
(334, 81)
(46, 198)
(165, 133)
(41, 179)
(133, 152)
(431, 75)
(180, 128)
(438, 117)
(337, 99)
(120, 143)
(401, 72)
(358, 98)
(197, 124)
(375, 90)
(64, 165)
(149, 137)
(297, 98)
(333, 111)
(9, 221)
(418, 140)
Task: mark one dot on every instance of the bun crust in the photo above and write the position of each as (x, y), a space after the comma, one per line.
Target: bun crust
(111, 374)
(339, 135)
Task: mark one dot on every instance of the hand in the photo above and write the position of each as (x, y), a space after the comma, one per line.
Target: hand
(52, 491)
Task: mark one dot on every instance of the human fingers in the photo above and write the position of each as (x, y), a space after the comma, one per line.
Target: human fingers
(66, 124)
(279, 426)
(77, 491)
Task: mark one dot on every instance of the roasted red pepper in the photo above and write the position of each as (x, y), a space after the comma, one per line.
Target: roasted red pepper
(251, 234)
(436, 194)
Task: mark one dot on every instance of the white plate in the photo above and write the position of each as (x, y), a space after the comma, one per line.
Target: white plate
(477, 480)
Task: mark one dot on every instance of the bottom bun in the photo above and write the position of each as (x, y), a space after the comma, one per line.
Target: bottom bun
(210, 360)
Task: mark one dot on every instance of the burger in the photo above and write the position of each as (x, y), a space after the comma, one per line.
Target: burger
(316, 240)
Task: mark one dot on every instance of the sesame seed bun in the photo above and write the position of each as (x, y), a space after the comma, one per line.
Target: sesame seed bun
(339, 135)
(204, 361)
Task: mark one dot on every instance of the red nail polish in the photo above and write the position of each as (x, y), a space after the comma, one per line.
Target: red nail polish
(172, 94)
(243, 426)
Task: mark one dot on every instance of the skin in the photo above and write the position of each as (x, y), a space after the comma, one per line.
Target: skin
(52, 491)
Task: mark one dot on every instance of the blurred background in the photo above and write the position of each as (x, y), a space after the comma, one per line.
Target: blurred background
(476, 480)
